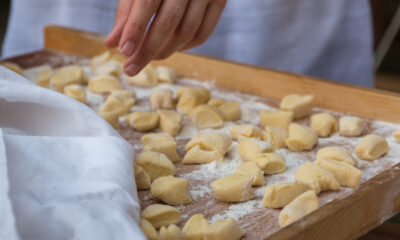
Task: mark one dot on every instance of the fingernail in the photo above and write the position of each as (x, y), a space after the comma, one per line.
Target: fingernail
(128, 48)
(131, 69)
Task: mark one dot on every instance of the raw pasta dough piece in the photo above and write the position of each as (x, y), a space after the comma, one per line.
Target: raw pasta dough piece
(195, 227)
(161, 143)
(145, 78)
(252, 169)
(43, 78)
(166, 74)
(270, 163)
(170, 121)
(233, 188)
(250, 147)
(275, 136)
(299, 105)
(196, 155)
(111, 67)
(76, 92)
(371, 147)
(323, 124)
(224, 229)
(162, 99)
(205, 116)
(171, 233)
(317, 177)
(337, 153)
(216, 102)
(298, 208)
(301, 138)
(124, 94)
(119, 105)
(156, 164)
(110, 117)
(347, 175)
(148, 229)
(211, 141)
(143, 121)
(66, 76)
(103, 84)
(231, 111)
(396, 135)
(281, 194)
(351, 126)
(99, 60)
(142, 179)
(13, 67)
(245, 131)
(161, 215)
(171, 190)
(280, 119)
(189, 98)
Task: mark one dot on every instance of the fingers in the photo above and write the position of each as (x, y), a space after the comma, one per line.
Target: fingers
(213, 13)
(121, 16)
(186, 29)
(162, 28)
(135, 27)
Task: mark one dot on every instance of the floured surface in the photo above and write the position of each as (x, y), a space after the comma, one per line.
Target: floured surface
(258, 222)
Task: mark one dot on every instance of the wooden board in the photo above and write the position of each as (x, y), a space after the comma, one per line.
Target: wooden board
(348, 218)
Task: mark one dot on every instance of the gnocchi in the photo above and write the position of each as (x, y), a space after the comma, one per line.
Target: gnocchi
(244, 131)
(195, 227)
(189, 98)
(142, 179)
(270, 163)
(233, 188)
(280, 119)
(216, 102)
(161, 143)
(76, 92)
(143, 121)
(196, 155)
(66, 76)
(337, 153)
(146, 78)
(323, 124)
(211, 141)
(162, 99)
(317, 177)
(252, 169)
(301, 138)
(250, 147)
(161, 215)
(347, 175)
(171, 233)
(299, 105)
(103, 84)
(224, 229)
(205, 116)
(148, 229)
(166, 75)
(119, 105)
(44, 76)
(371, 147)
(171, 190)
(351, 126)
(156, 164)
(281, 194)
(230, 111)
(275, 136)
(110, 117)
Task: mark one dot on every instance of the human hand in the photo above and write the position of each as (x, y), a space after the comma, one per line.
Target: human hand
(177, 25)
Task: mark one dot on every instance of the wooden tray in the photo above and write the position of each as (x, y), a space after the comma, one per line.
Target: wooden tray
(349, 218)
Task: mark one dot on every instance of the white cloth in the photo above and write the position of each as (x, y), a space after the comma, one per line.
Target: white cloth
(331, 39)
(64, 172)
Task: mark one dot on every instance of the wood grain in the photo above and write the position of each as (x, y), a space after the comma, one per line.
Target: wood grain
(349, 218)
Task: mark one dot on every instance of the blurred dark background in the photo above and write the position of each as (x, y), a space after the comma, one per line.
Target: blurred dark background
(386, 21)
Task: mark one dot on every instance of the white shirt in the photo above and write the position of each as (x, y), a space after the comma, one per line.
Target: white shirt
(331, 39)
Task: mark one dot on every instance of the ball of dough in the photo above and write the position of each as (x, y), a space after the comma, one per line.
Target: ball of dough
(250, 147)
(76, 92)
(216, 102)
(252, 169)
(171, 233)
(162, 99)
(189, 98)
(13, 67)
(158, 142)
(224, 229)
(205, 116)
(337, 153)
(280, 119)
(270, 163)
(44, 76)
(301, 138)
(66, 76)
(317, 177)
(196, 155)
(148, 229)
(275, 136)
(347, 175)
(103, 84)
(211, 141)
(143, 121)
(396, 135)
(244, 131)
(119, 105)
(351, 126)
(142, 179)
(146, 78)
(170, 121)
(281, 194)
(298, 208)
(161, 215)
(195, 227)
(299, 105)
(111, 67)
(110, 117)
(323, 124)
(231, 111)
(171, 190)
(371, 147)
(166, 75)
(233, 188)
(156, 164)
